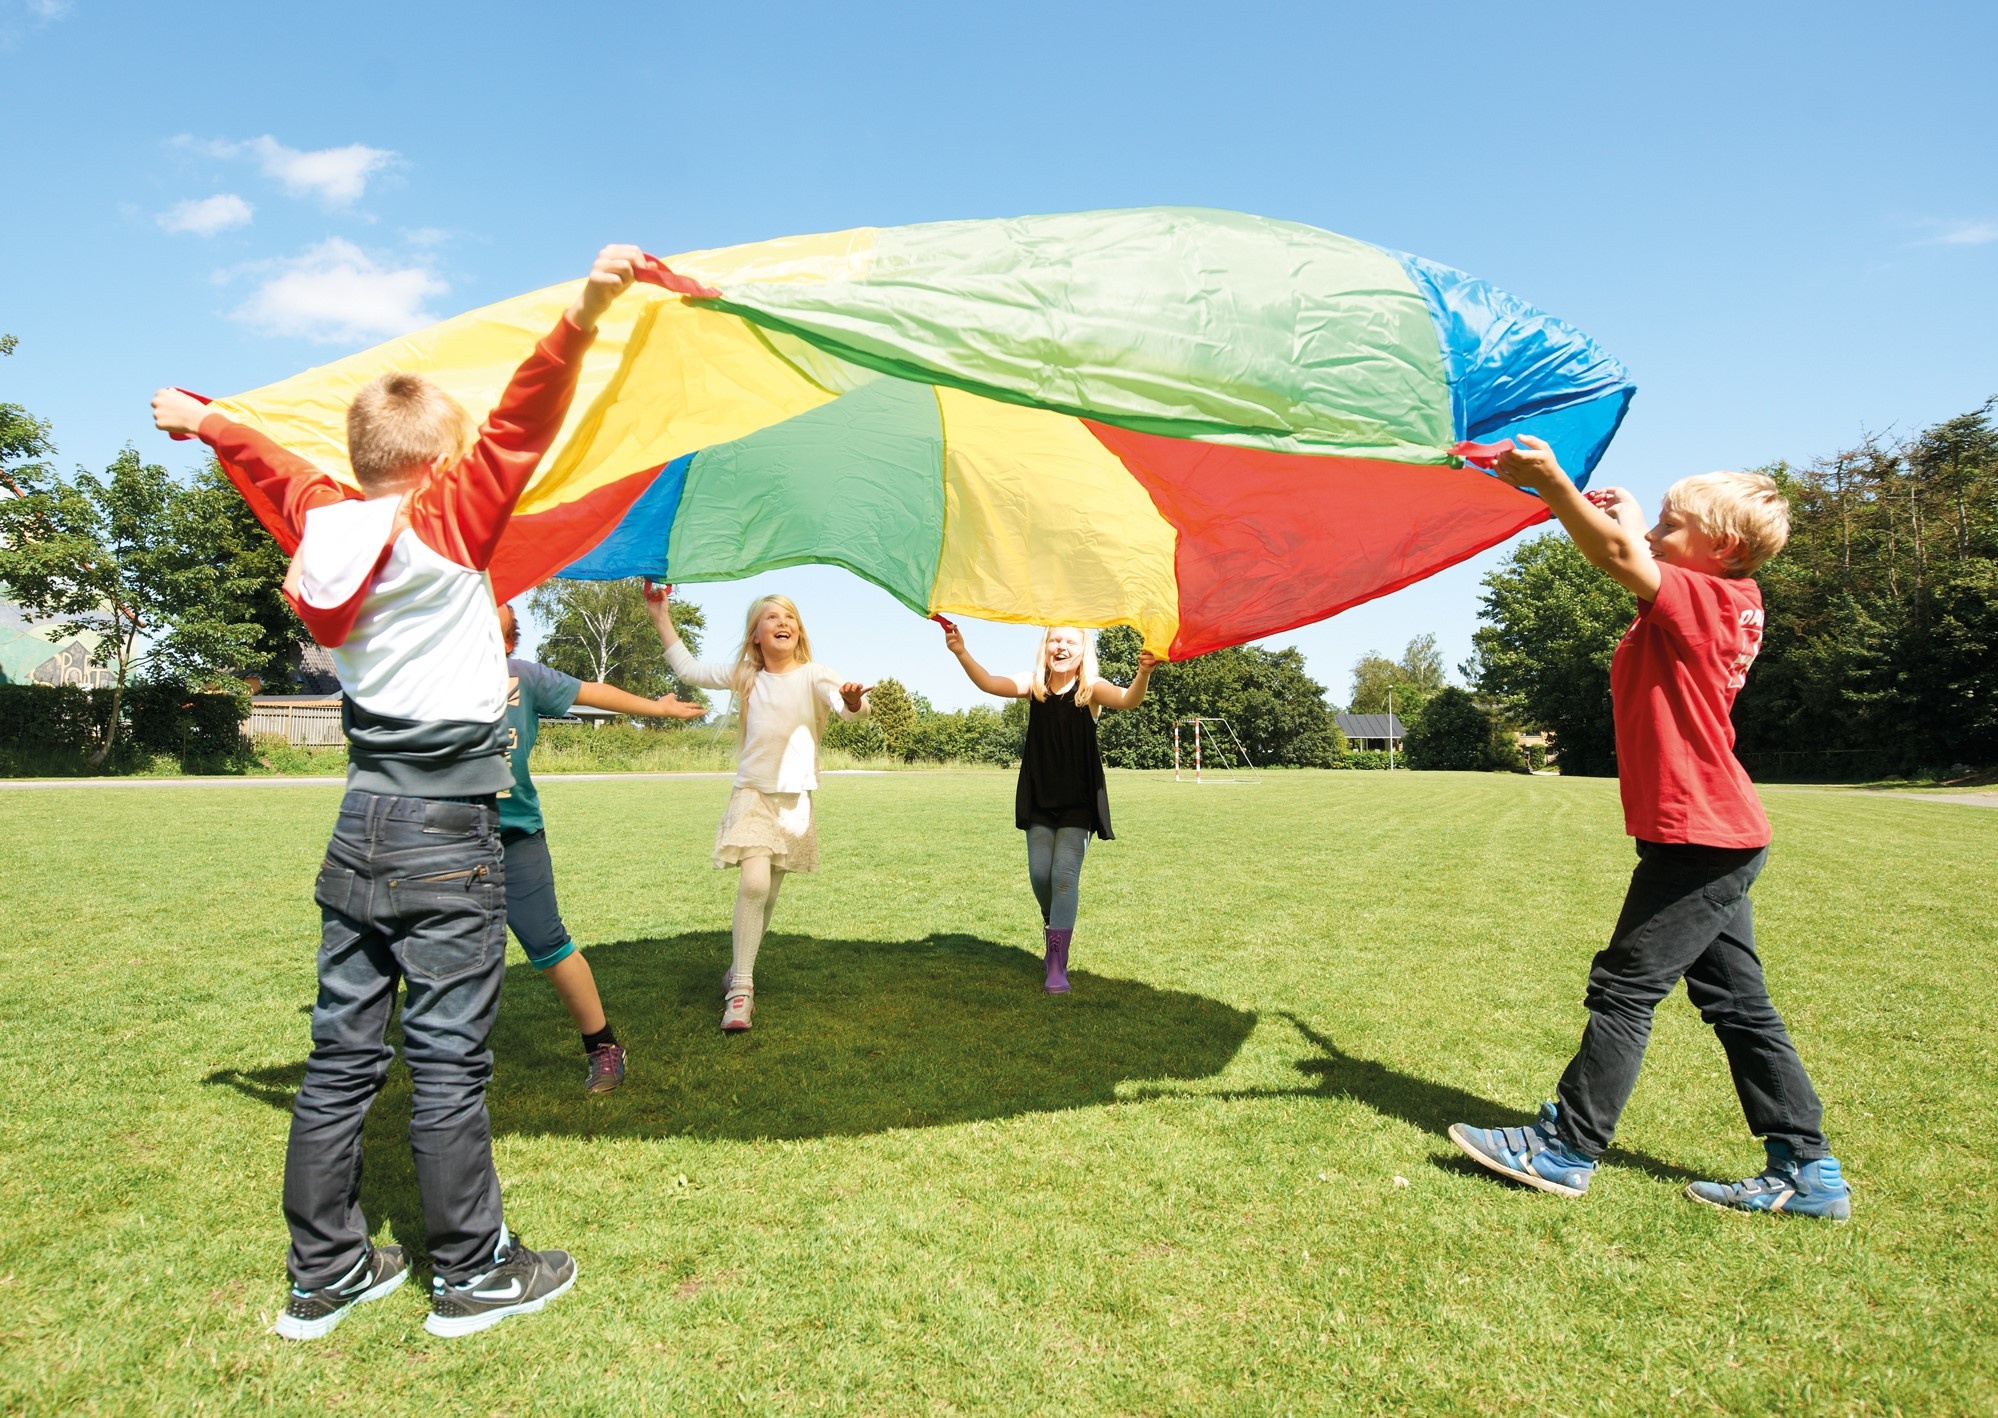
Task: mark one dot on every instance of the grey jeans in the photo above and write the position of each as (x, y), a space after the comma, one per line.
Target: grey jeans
(1687, 916)
(412, 892)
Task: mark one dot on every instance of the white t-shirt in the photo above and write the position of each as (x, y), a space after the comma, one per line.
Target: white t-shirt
(783, 718)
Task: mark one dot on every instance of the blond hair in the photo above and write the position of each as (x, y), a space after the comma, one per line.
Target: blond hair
(1086, 673)
(749, 660)
(1747, 509)
(400, 422)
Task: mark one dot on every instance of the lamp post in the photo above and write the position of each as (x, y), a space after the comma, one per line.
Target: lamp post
(1390, 728)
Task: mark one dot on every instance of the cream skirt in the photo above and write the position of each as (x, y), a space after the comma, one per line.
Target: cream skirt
(774, 825)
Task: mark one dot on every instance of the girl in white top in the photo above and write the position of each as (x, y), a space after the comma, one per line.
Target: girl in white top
(782, 703)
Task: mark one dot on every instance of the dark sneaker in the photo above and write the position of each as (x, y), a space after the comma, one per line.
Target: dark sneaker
(606, 1067)
(1533, 1155)
(1813, 1188)
(313, 1314)
(520, 1284)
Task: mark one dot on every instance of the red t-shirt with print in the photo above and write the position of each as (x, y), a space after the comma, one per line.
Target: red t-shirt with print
(1673, 683)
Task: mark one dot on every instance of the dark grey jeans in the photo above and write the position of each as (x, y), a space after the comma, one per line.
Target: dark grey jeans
(1687, 916)
(412, 891)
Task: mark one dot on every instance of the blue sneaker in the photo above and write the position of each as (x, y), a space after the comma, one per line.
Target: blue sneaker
(1533, 1155)
(1813, 1188)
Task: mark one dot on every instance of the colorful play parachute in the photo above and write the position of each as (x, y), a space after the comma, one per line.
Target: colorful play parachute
(1207, 425)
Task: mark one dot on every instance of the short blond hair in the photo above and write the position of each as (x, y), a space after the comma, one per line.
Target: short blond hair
(400, 422)
(1747, 509)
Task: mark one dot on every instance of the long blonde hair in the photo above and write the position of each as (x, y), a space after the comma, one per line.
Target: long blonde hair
(1086, 673)
(749, 659)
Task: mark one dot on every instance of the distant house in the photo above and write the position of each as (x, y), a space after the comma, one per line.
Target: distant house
(27, 657)
(1371, 732)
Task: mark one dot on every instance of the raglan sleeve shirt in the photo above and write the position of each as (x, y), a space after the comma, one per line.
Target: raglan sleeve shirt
(1673, 682)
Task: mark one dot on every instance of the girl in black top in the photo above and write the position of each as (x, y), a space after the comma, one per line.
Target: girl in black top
(1061, 798)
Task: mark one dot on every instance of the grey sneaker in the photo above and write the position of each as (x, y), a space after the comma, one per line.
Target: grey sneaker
(606, 1067)
(314, 1314)
(520, 1284)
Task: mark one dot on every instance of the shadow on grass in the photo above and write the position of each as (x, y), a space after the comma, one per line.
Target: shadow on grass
(851, 1037)
(1432, 1107)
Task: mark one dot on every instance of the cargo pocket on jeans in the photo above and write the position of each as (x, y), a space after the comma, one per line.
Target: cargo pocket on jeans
(453, 922)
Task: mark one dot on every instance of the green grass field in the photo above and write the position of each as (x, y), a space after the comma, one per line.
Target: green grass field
(1213, 1180)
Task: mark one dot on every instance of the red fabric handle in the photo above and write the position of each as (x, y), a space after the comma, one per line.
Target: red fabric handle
(199, 399)
(948, 625)
(655, 272)
(1482, 455)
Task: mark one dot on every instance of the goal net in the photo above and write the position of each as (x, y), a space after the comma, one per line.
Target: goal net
(1208, 751)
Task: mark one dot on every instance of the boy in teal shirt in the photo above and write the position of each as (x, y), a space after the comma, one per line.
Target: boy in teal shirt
(535, 692)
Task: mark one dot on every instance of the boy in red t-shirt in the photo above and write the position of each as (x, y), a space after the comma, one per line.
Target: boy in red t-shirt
(1701, 839)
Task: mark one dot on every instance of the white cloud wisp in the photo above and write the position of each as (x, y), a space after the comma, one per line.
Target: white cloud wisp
(208, 215)
(335, 293)
(336, 176)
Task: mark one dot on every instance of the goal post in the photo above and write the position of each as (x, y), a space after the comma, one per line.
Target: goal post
(1213, 750)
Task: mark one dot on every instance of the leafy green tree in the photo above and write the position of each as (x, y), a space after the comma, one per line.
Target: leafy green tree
(1276, 709)
(110, 556)
(599, 630)
(1458, 734)
(894, 715)
(213, 525)
(1552, 624)
(1412, 680)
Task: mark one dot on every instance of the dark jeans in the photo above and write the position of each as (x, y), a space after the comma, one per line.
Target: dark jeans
(412, 891)
(1687, 916)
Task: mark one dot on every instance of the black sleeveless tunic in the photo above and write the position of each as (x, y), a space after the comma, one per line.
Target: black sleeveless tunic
(1061, 770)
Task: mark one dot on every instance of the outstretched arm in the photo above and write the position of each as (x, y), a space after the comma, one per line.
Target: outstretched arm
(279, 486)
(659, 606)
(1005, 686)
(1115, 696)
(598, 695)
(1611, 543)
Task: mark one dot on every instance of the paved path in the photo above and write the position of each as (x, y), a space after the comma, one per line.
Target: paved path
(1961, 799)
(18, 784)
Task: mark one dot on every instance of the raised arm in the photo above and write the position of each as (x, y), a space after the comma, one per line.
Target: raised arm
(1118, 696)
(463, 512)
(1005, 686)
(659, 606)
(279, 486)
(598, 695)
(1611, 543)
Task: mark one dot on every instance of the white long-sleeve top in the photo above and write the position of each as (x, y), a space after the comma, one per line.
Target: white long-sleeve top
(783, 717)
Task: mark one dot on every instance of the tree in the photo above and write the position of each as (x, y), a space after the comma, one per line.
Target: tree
(110, 557)
(1458, 734)
(894, 714)
(1553, 622)
(1412, 679)
(215, 526)
(1276, 709)
(599, 630)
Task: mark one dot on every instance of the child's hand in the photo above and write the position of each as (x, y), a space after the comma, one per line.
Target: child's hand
(1147, 662)
(1620, 503)
(671, 706)
(177, 412)
(616, 267)
(851, 695)
(954, 640)
(1533, 466)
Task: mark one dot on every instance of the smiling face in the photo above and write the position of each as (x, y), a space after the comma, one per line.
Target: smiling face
(1064, 647)
(1679, 540)
(776, 632)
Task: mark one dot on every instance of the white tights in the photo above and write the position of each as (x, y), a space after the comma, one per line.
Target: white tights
(755, 901)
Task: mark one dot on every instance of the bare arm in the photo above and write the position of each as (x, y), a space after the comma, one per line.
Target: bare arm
(1005, 686)
(597, 695)
(1609, 543)
(659, 606)
(1116, 696)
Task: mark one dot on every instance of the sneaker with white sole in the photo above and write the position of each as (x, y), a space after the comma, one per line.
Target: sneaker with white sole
(1812, 1188)
(520, 1284)
(1534, 1155)
(314, 1314)
(735, 1014)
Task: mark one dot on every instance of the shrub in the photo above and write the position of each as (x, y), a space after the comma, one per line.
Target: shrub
(1458, 734)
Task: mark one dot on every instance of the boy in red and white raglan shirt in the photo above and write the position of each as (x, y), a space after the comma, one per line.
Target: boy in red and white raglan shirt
(394, 581)
(1701, 836)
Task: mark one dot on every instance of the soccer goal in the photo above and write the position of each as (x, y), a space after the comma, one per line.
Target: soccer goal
(1212, 750)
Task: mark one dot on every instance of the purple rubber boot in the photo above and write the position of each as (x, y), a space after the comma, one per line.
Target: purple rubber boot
(1057, 961)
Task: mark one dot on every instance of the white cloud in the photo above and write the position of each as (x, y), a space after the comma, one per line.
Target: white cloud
(47, 10)
(208, 215)
(1965, 234)
(335, 293)
(336, 176)
(427, 236)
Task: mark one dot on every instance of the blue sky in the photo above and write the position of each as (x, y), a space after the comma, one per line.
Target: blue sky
(1783, 218)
